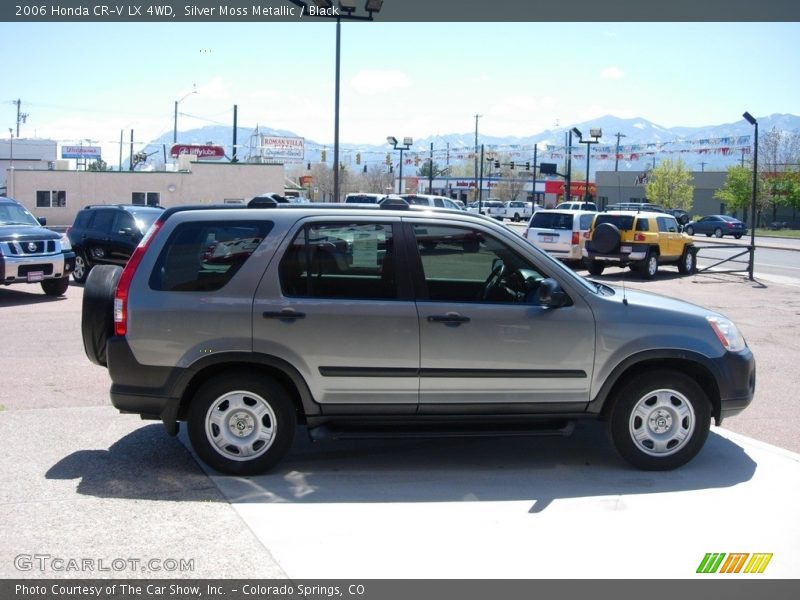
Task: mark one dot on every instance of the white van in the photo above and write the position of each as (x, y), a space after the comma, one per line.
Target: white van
(562, 233)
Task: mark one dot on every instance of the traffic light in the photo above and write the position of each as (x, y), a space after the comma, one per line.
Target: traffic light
(388, 159)
(512, 165)
(308, 168)
(416, 161)
(527, 166)
(324, 156)
(497, 164)
(365, 168)
(358, 158)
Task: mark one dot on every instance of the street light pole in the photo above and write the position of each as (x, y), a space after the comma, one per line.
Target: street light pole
(336, 112)
(406, 145)
(595, 133)
(751, 267)
(175, 117)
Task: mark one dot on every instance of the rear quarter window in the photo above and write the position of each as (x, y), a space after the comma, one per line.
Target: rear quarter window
(204, 256)
(622, 222)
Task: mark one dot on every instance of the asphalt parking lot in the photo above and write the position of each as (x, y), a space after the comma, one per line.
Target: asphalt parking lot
(81, 481)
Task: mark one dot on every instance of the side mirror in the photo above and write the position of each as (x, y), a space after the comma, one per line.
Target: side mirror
(550, 294)
(42, 221)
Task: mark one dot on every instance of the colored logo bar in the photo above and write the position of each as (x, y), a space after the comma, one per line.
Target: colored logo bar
(737, 562)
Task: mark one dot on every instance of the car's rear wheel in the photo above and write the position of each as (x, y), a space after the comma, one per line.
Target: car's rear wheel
(688, 262)
(55, 287)
(82, 268)
(97, 311)
(738, 236)
(659, 420)
(718, 233)
(241, 424)
(649, 266)
(517, 218)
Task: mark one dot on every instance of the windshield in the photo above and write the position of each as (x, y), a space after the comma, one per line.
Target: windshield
(145, 218)
(14, 214)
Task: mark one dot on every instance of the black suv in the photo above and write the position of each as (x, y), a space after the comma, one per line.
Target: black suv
(30, 253)
(107, 234)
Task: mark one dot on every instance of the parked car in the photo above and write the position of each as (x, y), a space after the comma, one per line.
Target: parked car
(562, 233)
(577, 206)
(31, 253)
(378, 320)
(492, 207)
(430, 200)
(363, 198)
(106, 234)
(718, 226)
(640, 240)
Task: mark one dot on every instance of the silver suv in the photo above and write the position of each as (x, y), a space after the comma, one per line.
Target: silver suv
(386, 320)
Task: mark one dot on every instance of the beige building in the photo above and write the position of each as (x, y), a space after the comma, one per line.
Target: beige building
(59, 194)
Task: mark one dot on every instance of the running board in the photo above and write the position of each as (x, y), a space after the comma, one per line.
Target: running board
(339, 431)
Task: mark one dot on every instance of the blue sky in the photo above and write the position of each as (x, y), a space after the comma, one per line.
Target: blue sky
(90, 81)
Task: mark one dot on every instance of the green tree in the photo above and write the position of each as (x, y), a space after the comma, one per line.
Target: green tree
(738, 189)
(98, 165)
(670, 184)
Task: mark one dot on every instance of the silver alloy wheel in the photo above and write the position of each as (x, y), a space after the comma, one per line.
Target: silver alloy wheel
(652, 265)
(718, 233)
(688, 261)
(240, 425)
(662, 422)
(79, 272)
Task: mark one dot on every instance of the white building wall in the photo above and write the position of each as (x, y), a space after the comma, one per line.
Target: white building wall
(205, 183)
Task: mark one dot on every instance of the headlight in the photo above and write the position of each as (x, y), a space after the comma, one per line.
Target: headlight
(65, 245)
(727, 333)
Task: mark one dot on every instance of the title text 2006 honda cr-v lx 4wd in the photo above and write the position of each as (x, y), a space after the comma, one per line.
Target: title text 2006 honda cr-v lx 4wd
(387, 320)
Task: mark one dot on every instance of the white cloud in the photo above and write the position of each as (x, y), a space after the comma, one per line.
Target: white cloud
(370, 83)
(612, 73)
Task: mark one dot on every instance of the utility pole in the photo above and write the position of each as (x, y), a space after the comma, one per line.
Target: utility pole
(476, 156)
(21, 116)
(703, 166)
(430, 173)
(533, 177)
(616, 154)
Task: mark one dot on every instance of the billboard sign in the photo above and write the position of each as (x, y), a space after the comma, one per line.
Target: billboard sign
(282, 148)
(202, 152)
(90, 152)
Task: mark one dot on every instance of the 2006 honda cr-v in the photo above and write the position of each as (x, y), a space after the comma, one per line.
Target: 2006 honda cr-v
(387, 320)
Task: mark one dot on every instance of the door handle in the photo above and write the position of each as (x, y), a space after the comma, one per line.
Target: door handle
(286, 314)
(448, 319)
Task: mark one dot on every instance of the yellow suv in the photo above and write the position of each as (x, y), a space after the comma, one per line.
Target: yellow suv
(640, 240)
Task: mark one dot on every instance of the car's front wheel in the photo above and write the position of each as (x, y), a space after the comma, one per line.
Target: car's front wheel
(688, 262)
(55, 287)
(241, 424)
(690, 230)
(596, 267)
(659, 420)
(718, 233)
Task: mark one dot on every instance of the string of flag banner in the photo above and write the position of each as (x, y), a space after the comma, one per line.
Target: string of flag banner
(725, 146)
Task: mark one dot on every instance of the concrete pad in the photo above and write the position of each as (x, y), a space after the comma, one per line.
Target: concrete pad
(519, 508)
(89, 483)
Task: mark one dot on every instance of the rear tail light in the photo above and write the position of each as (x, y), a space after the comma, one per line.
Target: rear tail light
(576, 238)
(124, 285)
(638, 237)
(587, 235)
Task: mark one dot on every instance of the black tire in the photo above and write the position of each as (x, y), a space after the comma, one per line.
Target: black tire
(688, 262)
(236, 413)
(55, 287)
(738, 236)
(516, 218)
(649, 266)
(718, 233)
(659, 420)
(97, 312)
(689, 230)
(82, 267)
(595, 267)
(606, 238)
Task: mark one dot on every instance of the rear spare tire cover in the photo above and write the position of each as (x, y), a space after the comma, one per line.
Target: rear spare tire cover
(97, 312)
(605, 238)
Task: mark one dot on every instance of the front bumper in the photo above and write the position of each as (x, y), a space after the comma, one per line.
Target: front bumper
(35, 268)
(737, 382)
